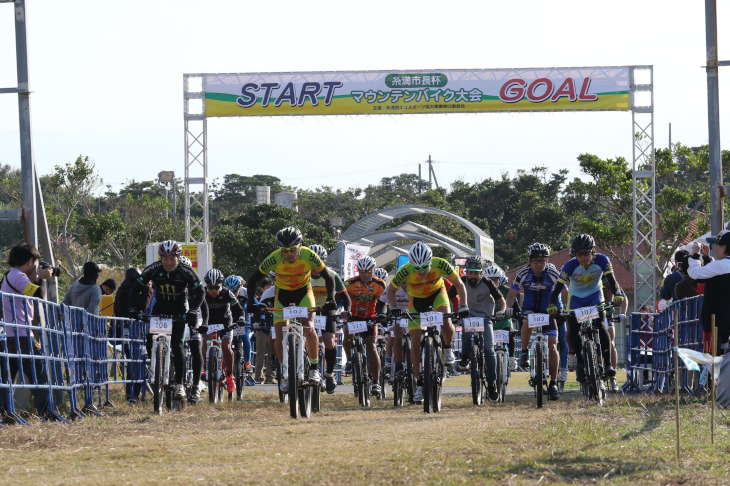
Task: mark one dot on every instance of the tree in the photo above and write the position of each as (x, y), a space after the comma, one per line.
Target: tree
(67, 193)
(10, 198)
(237, 193)
(240, 244)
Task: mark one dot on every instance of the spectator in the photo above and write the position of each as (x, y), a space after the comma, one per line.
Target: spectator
(263, 346)
(716, 277)
(688, 287)
(23, 278)
(108, 286)
(85, 292)
(106, 306)
(667, 289)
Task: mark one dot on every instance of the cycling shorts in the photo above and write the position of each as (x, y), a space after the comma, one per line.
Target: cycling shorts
(422, 304)
(551, 330)
(301, 297)
(575, 302)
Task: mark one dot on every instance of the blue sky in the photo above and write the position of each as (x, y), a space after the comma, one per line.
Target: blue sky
(107, 82)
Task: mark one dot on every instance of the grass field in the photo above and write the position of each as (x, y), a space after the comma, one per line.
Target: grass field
(631, 440)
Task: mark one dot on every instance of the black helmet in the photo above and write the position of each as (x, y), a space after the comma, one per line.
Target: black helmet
(473, 263)
(581, 242)
(132, 273)
(538, 250)
(289, 236)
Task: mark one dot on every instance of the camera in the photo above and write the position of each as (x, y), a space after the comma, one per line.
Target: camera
(56, 270)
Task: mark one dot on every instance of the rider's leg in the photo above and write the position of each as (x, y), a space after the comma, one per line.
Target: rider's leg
(553, 357)
(525, 334)
(612, 339)
(278, 344)
(398, 344)
(178, 351)
(227, 354)
(330, 351)
(311, 339)
(196, 355)
(373, 358)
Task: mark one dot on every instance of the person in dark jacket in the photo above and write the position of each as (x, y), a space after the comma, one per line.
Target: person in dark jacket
(688, 287)
(716, 277)
(667, 289)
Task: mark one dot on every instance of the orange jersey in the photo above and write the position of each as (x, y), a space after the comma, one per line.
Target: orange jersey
(364, 297)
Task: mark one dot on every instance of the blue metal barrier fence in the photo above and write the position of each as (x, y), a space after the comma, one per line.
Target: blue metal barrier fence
(61, 352)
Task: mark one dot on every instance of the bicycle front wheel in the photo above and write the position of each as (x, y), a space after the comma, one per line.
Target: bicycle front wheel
(594, 376)
(293, 351)
(238, 373)
(157, 380)
(428, 375)
(214, 363)
(304, 392)
(410, 380)
(383, 381)
(501, 387)
(476, 379)
(539, 374)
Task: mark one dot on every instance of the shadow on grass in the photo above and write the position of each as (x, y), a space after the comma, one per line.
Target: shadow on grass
(563, 467)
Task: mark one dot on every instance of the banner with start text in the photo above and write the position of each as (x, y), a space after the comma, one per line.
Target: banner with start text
(411, 92)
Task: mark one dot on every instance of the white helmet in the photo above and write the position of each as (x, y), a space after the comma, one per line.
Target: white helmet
(420, 255)
(365, 263)
(320, 251)
(381, 273)
(186, 261)
(493, 272)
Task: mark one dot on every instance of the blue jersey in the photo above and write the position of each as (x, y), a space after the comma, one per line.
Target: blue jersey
(584, 282)
(537, 288)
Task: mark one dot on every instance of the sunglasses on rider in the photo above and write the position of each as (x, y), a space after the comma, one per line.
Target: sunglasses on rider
(214, 287)
(290, 249)
(422, 267)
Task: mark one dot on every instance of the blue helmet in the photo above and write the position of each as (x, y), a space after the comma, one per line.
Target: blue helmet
(233, 282)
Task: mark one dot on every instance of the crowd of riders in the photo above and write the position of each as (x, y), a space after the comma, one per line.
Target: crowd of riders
(296, 274)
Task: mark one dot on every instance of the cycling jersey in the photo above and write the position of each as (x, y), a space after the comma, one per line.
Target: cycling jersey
(585, 281)
(364, 297)
(401, 298)
(427, 286)
(319, 288)
(536, 288)
(223, 308)
(292, 276)
(481, 299)
(173, 290)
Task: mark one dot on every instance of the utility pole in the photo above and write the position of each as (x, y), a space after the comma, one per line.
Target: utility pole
(431, 173)
(713, 117)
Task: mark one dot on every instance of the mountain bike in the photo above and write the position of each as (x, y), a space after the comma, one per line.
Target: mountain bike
(404, 380)
(477, 364)
(434, 370)
(358, 356)
(239, 365)
(501, 342)
(296, 361)
(539, 358)
(589, 319)
(162, 372)
(216, 370)
(380, 345)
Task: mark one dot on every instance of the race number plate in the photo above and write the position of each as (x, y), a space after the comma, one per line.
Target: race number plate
(584, 314)
(160, 325)
(430, 319)
(403, 323)
(295, 312)
(320, 322)
(538, 320)
(473, 324)
(501, 337)
(239, 331)
(357, 326)
(215, 328)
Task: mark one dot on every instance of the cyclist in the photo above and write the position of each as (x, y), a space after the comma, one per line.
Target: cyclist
(496, 275)
(365, 291)
(382, 274)
(482, 298)
(328, 335)
(178, 292)
(424, 275)
(583, 275)
(292, 264)
(223, 308)
(537, 281)
(235, 283)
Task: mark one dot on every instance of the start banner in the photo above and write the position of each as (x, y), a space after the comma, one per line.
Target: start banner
(412, 92)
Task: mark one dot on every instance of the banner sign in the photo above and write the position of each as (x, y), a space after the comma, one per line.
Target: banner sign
(352, 253)
(418, 91)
